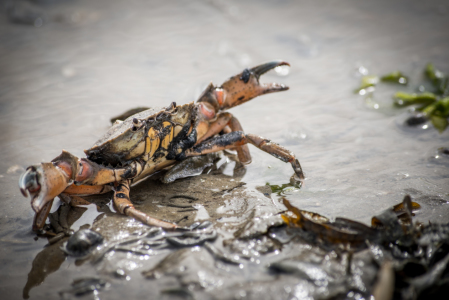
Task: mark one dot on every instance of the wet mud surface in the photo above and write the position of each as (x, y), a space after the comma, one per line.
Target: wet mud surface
(240, 252)
(219, 261)
(239, 246)
(68, 67)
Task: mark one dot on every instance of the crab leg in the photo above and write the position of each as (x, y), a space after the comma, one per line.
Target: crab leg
(225, 119)
(41, 216)
(123, 204)
(215, 127)
(243, 151)
(238, 138)
(87, 189)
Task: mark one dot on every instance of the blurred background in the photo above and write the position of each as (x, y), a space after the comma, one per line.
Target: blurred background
(68, 66)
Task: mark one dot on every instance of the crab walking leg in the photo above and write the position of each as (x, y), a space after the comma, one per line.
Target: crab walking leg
(243, 151)
(238, 138)
(225, 120)
(87, 189)
(41, 216)
(123, 204)
(70, 197)
(95, 174)
(216, 126)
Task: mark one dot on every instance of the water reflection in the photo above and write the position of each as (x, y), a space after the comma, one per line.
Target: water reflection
(46, 262)
(50, 259)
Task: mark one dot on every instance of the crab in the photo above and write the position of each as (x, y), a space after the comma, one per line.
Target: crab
(150, 141)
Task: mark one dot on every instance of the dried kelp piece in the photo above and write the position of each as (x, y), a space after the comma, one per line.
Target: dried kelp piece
(391, 225)
(397, 217)
(396, 223)
(343, 233)
(416, 254)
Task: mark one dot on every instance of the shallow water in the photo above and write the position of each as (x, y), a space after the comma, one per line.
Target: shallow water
(90, 60)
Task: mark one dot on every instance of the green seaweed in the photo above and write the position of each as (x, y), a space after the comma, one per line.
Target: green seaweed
(439, 80)
(395, 77)
(442, 107)
(366, 82)
(433, 105)
(282, 189)
(402, 99)
(439, 123)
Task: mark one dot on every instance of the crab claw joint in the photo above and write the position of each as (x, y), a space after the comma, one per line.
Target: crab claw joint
(245, 86)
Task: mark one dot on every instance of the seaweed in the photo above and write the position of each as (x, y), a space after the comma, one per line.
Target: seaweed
(433, 106)
(395, 77)
(414, 257)
(367, 82)
(280, 190)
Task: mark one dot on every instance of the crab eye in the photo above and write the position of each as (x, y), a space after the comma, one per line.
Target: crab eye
(207, 112)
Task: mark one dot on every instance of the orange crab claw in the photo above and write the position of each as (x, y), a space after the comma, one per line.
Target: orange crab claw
(43, 182)
(46, 181)
(245, 86)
